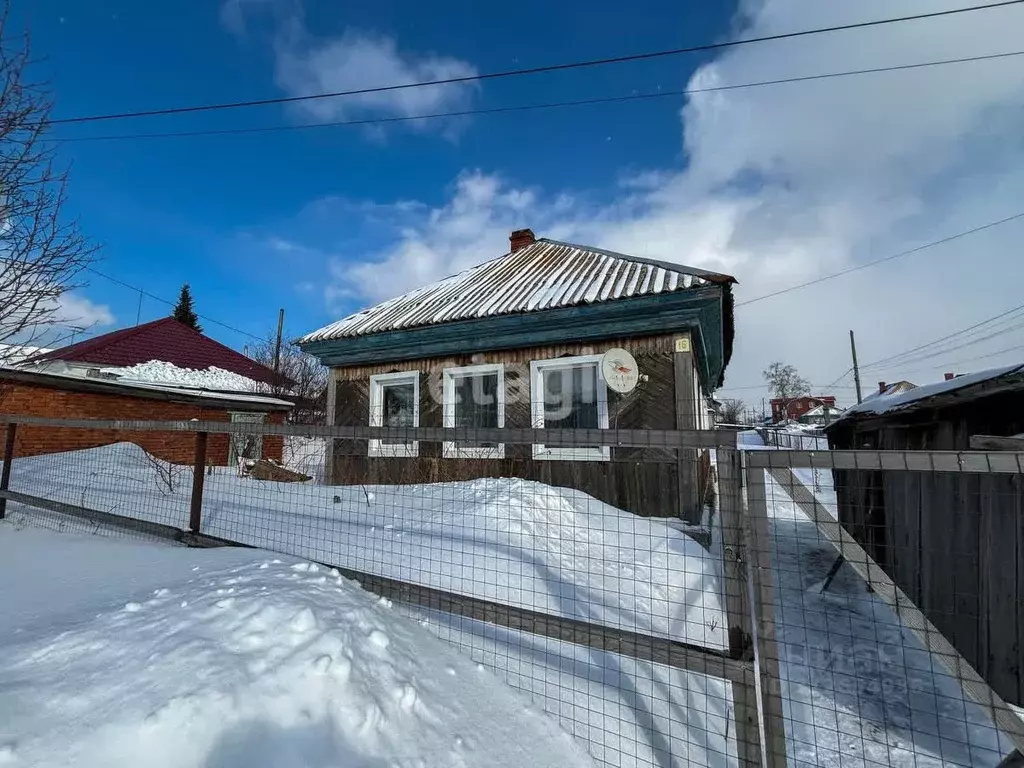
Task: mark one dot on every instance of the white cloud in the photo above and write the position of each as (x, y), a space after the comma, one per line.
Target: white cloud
(73, 309)
(307, 64)
(357, 60)
(787, 183)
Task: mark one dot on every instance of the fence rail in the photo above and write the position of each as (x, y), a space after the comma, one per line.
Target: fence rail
(770, 635)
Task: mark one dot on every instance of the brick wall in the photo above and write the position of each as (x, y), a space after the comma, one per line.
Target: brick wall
(177, 447)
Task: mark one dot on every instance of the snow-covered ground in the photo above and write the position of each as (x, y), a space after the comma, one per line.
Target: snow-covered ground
(306, 455)
(116, 653)
(859, 690)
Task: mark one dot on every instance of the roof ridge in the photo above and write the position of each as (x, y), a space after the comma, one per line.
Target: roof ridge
(110, 337)
(670, 266)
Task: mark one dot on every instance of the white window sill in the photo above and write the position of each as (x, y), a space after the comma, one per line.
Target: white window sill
(453, 451)
(399, 451)
(543, 453)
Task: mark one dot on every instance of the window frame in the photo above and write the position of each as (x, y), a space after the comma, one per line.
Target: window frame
(563, 453)
(378, 382)
(451, 449)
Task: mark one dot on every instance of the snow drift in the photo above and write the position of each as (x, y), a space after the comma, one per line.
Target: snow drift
(120, 653)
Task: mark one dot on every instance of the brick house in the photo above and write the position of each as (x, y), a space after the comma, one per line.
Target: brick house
(793, 409)
(62, 396)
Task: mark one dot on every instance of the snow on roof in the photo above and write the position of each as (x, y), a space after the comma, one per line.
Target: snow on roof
(886, 403)
(12, 354)
(160, 372)
(234, 397)
(544, 275)
(165, 339)
(819, 410)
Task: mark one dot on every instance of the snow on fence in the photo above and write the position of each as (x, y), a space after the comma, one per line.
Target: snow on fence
(751, 640)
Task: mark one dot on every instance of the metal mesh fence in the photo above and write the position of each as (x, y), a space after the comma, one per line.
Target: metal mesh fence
(670, 599)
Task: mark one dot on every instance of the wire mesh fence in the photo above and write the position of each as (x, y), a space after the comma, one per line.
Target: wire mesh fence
(773, 631)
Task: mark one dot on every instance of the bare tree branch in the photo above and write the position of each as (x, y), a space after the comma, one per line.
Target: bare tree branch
(785, 384)
(731, 411)
(42, 254)
(310, 389)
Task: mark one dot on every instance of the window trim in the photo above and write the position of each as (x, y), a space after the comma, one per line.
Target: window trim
(378, 381)
(451, 449)
(561, 453)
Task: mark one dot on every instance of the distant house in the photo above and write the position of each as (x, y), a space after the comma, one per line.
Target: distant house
(952, 541)
(820, 415)
(793, 408)
(517, 342)
(895, 388)
(162, 370)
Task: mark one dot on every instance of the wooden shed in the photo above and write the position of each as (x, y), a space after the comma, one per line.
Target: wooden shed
(517, 342)
(953, 542)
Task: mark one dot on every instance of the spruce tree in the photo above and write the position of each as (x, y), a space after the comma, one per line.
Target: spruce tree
(184, 312)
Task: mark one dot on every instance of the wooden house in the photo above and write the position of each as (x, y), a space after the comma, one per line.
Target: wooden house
(952, 541)
(517, 342)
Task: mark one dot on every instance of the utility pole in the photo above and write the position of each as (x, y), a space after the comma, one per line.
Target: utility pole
(856, 369)
(277, 344)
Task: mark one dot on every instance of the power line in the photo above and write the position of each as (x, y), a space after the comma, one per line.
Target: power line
(883, 260)
(968, 359)
(529, 70)
(970, 343)
(899, 357)
(169, 303)
(533, 107)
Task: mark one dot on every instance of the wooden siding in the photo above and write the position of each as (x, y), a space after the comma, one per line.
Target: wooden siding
(640, 480)
(953, 542)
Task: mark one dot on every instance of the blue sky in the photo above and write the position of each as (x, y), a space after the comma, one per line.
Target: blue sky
(202, 209)
(777, 185)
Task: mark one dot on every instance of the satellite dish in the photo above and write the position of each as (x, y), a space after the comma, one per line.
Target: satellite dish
(619, 370)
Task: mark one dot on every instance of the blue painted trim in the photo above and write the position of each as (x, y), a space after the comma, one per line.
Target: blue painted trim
(698, 311)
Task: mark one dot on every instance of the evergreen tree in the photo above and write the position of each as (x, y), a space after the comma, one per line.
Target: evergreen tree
(184, 312)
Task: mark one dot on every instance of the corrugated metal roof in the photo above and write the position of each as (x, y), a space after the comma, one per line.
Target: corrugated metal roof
(546, 274)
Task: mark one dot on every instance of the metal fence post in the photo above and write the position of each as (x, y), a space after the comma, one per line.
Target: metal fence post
(5, 476)
(198, 473)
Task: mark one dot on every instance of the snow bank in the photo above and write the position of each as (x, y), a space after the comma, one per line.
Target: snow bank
(306, 455)
(118, 653)
(516, 542)
(513, 541)
(161, 372)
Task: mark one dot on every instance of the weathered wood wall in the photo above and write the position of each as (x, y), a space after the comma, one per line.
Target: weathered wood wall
(643, 481)
(953, 542)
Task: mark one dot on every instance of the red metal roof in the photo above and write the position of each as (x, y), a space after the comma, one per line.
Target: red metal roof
(167, 340)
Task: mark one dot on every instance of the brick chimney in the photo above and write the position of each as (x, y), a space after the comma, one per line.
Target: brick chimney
(521, 238)
(949, 376)
(881, 387)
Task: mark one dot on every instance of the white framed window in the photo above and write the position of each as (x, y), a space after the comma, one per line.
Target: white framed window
(395, 402)
(569, 393)
(474, 397)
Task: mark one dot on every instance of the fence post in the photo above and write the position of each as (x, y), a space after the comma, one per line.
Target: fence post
(5, 476)
(198, 473)
(766, 651)
(737, 604)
